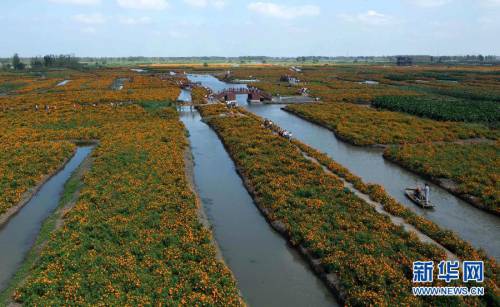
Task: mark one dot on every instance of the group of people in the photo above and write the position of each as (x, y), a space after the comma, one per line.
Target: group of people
(282, 132)
(268, 123)
(47, 107)
(423, 194)
(285, 133)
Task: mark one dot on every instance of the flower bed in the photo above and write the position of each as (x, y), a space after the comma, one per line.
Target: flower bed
(133, 236)
(24, 164)
(371, 256)
(474, 168)
(364, 126)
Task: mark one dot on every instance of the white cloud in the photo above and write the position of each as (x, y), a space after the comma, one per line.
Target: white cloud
(90, 19)
(490, 2)
(143, 4)
(204, 3)
(429, 3)
(197, 3)
(78, 2)
(134, 21)
(282, 11)
(370, 17)
(219, 3)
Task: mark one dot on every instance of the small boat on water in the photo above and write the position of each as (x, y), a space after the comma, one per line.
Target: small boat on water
(410, 193)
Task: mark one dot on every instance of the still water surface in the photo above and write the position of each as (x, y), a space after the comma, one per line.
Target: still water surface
(19, 234)
(268, 271)
(481, 229)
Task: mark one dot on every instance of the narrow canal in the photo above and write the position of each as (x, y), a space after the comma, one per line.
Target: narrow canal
(481, 229)
(268, 271)
(118, 84)
(19, 234)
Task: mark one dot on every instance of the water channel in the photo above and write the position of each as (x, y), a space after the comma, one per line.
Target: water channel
(18, 235)
(481, 229)
(268, 271)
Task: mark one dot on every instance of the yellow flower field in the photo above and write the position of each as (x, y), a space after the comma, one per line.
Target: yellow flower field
(133, 236)
(371, 256)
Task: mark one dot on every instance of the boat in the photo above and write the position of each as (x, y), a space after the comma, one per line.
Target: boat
(410, 193)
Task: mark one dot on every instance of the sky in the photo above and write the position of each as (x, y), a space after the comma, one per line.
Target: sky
(249, 27)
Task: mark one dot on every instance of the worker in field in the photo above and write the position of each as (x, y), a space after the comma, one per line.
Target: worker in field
(427, 191)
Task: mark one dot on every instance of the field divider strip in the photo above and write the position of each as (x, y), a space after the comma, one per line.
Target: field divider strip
(380, 209)
(446, 239)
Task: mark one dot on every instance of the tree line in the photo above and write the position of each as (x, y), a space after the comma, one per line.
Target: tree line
(47, 61)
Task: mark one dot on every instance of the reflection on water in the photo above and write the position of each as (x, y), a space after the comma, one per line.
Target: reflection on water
(213, 83)
(19, 234)
(481, 229)
(185, 95)
(268, 272)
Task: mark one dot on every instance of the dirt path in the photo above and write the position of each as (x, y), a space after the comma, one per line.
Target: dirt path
(449, 185)
(380, 209)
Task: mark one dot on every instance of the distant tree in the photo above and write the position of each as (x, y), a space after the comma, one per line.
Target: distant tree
(62, 60)
(205, 64)
(16, 62)
(480, 58)
(48, 60)
(36, 63)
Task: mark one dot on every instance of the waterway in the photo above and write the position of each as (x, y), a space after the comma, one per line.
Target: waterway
(479, 228)
(64, 82)
(267, 270)
(118, 84)
(19, 234)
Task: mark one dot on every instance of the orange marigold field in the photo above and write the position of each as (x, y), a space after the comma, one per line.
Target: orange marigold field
(133, 236)
(25, 164)
(370, 255)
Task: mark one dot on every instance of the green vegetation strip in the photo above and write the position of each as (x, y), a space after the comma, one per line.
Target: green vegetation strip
(10, 86)
(442, 108)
